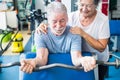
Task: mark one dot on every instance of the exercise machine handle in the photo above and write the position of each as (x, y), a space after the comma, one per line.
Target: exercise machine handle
(116, 64)
(10, 65)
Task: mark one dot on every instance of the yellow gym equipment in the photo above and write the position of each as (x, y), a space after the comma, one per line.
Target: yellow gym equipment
(17, 43)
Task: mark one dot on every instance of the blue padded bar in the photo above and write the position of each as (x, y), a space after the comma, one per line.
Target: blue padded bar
(58, 73)
(114, 27)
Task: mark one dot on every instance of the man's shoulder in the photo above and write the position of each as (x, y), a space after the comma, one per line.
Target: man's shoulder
(70, 34)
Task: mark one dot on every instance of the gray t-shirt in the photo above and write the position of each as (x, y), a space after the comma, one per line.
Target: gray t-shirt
(65, 43)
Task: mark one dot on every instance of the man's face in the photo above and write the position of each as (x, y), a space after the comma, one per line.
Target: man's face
(87, 7)
(57, 22)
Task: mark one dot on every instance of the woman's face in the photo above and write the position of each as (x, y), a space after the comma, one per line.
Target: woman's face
(87, 8)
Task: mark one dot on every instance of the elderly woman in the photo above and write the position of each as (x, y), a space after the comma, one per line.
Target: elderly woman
(93, 27)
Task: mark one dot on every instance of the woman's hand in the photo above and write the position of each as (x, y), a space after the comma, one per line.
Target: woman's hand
(27, 65)
(77, 30)
(42, 28)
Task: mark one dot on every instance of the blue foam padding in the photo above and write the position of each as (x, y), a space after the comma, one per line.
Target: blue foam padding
(114, 27)
(58, 73)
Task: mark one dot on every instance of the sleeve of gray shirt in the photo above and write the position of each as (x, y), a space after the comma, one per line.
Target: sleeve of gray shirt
(76, 43)
(39, 40)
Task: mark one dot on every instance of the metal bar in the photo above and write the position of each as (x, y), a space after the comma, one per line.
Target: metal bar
(58, 65)
(116, 64)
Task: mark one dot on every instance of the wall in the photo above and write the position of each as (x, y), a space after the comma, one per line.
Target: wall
(67, 4)
(39, 4)
(8, 0)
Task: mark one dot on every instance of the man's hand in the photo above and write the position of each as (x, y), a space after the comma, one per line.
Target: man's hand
(28, 65)
(42, 28)
(88, 63)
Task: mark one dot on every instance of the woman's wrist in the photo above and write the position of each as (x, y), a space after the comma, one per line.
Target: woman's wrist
(84, 35)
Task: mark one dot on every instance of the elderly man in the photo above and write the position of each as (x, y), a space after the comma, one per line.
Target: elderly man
(58, 40)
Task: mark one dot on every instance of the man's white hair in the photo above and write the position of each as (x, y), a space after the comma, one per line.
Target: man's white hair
(56, 7)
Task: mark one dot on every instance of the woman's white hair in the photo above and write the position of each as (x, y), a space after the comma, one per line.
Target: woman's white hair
(56, 7)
